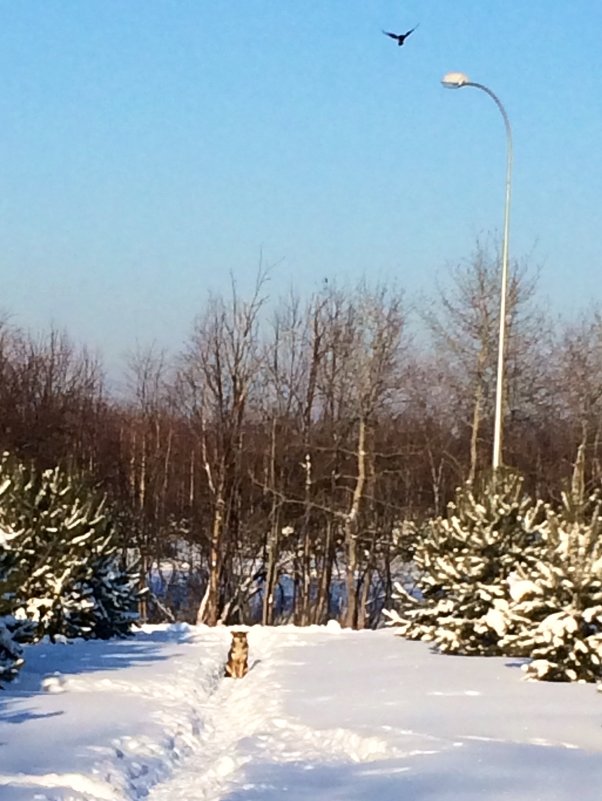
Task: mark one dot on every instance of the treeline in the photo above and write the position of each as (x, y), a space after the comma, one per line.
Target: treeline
(274, 461)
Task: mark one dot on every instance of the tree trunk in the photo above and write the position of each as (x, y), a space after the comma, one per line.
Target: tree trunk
(267, 616)
(474, 433)
(323, 600)
(210, 614)
(351, 529)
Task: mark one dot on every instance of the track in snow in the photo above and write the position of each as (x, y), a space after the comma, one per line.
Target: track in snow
(244, 723)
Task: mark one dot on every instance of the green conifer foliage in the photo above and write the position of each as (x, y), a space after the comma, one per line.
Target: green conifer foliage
(10, 651)
(555, 613)
(464, 560)
(59, 568)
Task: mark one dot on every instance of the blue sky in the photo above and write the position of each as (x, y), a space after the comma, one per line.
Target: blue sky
(148, 148)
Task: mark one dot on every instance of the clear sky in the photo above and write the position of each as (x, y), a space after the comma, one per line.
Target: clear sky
(150, 147)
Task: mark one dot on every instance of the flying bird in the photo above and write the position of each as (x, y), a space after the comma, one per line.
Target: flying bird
(400, 37)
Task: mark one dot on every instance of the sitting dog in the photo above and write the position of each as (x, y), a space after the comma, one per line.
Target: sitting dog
(237, 665)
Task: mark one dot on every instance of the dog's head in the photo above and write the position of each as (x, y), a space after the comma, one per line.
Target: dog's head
(239, 636)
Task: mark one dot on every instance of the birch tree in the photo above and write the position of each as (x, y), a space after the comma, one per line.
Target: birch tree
(219, 368)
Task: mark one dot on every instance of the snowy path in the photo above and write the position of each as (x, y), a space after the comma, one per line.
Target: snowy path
(323, 714)
(245, 725)
(358, 715)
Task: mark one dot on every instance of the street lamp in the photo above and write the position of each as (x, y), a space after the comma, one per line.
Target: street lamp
(456, 80)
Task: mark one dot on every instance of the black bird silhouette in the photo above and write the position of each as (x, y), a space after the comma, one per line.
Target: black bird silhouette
(400, 37)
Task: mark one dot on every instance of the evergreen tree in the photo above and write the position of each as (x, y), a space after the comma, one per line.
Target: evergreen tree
(464, 560)
(110, 593)
(555, 613)
(64, 576)
(10, 651)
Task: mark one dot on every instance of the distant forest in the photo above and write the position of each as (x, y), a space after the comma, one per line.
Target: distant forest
(299, 437)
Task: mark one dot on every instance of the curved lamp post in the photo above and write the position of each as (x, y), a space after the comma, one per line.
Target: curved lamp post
(456, 80)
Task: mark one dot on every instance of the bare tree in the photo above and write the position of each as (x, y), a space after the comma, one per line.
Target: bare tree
(219, 368)
(360, 374)
(464, 323)
(291, 359)
(148, 452)
(53, 395)
(577, 380)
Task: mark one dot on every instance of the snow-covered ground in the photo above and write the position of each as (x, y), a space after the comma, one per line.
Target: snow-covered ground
(323, 714)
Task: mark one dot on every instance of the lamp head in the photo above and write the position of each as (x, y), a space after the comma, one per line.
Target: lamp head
(455, 80)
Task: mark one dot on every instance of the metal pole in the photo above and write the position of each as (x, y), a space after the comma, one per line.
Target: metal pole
(499, 387)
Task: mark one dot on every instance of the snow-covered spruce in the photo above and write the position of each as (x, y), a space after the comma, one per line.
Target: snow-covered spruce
(11, 653)
(10, 650)
(113, 591)
(555, 611)
(464, 560)
(504, 575)
(63, 574)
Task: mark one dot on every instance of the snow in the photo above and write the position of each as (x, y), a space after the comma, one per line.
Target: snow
(6, 536)
(497, 617)
(520, 589)
(324, 713)
(555, 627)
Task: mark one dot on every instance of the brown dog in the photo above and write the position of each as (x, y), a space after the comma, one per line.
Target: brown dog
(237, 665)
